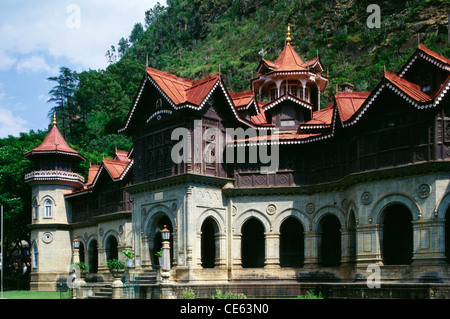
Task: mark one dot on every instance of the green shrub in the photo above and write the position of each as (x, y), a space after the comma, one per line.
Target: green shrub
(229, 295)
(310, 295)
(188, 293)
(116, 264)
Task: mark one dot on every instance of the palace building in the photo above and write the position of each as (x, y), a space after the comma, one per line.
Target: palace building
(363, 181)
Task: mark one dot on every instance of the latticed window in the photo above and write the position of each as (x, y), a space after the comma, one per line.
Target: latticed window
(35, 209)
(48, 209)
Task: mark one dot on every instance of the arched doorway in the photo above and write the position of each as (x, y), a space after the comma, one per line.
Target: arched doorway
(93, 256)
(208, 243)
(292, 248)
(112, 248)
(397, 248)
(159, 224)
(81, 250)
(447, 236)
(330, 247)
(253, 244)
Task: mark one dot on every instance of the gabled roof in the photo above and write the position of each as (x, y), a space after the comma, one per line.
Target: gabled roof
(117, 168)
(411, 89)
(429, 55)
(54, 143)
(181, 90)
(349, 103)
(242, 99)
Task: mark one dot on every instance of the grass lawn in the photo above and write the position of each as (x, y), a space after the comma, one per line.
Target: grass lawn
(25, 294)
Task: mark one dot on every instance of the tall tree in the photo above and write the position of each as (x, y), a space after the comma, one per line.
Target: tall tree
(136, 33)
(61, 95)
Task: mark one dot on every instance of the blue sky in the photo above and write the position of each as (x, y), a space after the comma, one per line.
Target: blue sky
(38, 37)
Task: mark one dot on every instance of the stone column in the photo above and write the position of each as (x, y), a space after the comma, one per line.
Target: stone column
(346, 253)
(117, 289)
(220, 250)
(429, 241)
(272, 250)
(237, 251)
(312, 243)
(369, 250)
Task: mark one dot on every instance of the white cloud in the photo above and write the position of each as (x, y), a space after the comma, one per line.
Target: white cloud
(50, 28)
(35, 64)
(11, 124)
(6, 62)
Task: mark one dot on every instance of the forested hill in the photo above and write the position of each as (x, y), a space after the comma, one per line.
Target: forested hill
(193, 38)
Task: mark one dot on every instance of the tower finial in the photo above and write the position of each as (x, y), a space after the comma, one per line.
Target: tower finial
(288, 38)
(54, 119)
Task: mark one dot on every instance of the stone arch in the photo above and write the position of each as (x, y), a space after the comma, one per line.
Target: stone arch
(92, 256)
(376, 215)
(351, 207)
(153, 223)
(111, 242)
(442, 206)
(327, 210)
(34, 254)
(154, 214)
(215, 215)
(249, 214)
(302, 217)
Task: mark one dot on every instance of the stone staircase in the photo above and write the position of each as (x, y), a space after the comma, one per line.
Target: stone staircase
(131, 281)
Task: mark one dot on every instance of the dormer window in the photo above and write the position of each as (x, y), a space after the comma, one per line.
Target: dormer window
(426, 88)
(287, 116)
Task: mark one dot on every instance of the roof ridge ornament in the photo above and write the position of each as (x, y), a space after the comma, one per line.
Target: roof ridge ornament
(288, 38)
(54, 119)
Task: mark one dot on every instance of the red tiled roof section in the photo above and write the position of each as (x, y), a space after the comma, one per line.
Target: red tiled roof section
(241, 99)
(200, 89)
(289, 60)
(122, 156)
(322, 117)
(435, 55)
(280, 137)
(93, 170)
(411, 89)
(182, 90)
(115, 167)
(55, 142)
(349, 103)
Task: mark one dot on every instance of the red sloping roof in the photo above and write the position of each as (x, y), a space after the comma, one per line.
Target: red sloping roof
(54, 142)
(242, 98)
(93, 170)
(199, 89)
(182, 90)
(115, 167)
(322, 117)
(259, 119)
(411, 89)
(435, 55)
(289, 60)
(174, 86)
(280, 137)
(349, 103)
(122, 156)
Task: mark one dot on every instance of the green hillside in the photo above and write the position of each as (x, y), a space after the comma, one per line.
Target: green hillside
(193, 39)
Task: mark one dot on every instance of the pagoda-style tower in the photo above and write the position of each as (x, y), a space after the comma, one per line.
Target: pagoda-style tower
(53, 176)
(289, 75)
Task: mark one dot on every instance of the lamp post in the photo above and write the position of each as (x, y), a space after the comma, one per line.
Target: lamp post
(76, 250)
(165, 235)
